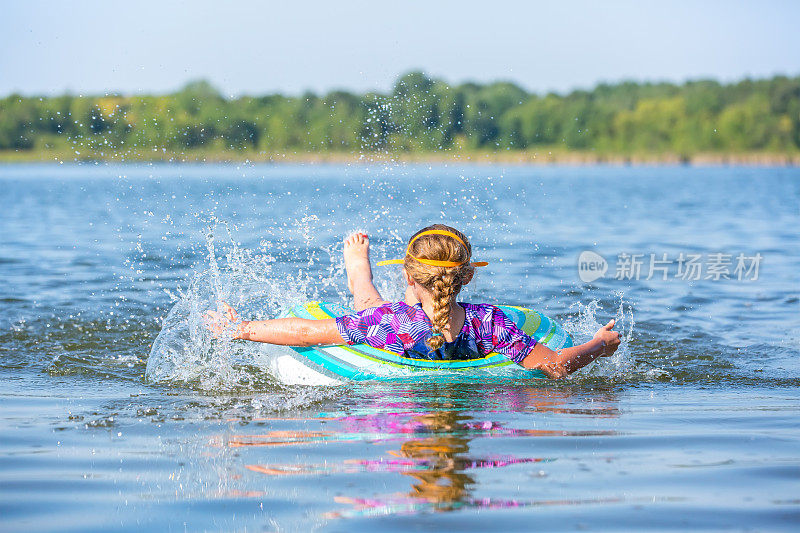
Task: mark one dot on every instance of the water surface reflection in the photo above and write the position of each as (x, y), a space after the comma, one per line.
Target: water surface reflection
(427, 440)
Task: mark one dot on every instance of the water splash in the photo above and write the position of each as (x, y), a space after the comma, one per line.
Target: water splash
(260, 287)
(185, 351)
(584, 325)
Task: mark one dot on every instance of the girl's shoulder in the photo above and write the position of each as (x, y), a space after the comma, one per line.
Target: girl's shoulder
(480, 309)
(395, 308)
(487, 315)
(399, 307)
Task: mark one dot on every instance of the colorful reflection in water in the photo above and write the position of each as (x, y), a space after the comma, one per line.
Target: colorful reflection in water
(431, 447)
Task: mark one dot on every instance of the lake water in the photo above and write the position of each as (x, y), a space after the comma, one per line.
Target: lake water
(695, 424)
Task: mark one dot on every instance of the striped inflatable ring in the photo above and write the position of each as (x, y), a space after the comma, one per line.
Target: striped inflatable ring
(336, 364)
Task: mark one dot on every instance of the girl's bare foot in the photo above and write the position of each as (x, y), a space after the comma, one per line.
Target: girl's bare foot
(356, 260)
(359, 271)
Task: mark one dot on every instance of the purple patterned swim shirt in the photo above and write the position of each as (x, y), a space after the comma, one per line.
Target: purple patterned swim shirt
(403, 329)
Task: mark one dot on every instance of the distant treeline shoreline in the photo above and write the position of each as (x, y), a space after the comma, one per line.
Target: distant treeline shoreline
(747, 122)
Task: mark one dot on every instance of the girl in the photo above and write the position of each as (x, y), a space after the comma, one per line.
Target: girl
(429, 323)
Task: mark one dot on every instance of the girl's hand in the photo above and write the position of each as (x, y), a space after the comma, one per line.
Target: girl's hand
(223, 324)
(610, 339)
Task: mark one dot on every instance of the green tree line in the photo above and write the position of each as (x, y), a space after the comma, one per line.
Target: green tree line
(419, 115)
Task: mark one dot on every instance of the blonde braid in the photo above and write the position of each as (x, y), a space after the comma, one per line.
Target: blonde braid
(442, 297)
(443, 282)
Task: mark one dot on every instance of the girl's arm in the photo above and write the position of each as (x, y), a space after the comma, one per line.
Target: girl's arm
(563, 362)
(290, 331)
(285, 331)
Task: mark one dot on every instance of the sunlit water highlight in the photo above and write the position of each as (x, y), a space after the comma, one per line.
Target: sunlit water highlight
(694, 424)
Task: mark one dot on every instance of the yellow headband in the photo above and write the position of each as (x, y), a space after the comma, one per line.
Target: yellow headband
(432, 262)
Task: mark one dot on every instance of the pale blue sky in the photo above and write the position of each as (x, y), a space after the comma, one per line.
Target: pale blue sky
(264, 47)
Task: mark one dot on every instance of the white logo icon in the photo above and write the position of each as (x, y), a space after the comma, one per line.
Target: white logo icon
(591, 266)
